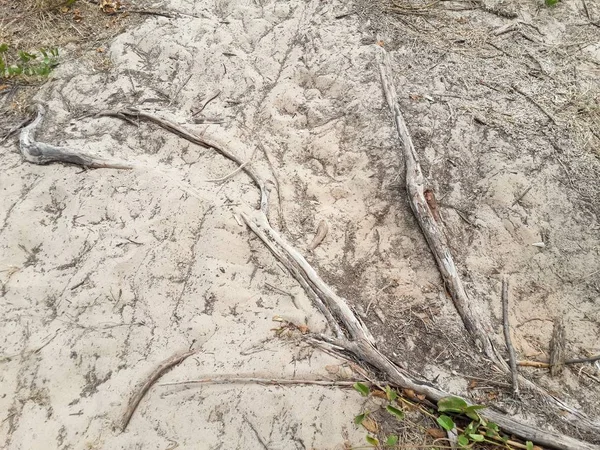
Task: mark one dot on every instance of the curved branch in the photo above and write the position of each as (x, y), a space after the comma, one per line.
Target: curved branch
(40, 153)
(132, 113)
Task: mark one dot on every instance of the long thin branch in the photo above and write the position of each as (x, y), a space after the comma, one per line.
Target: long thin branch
(509, 346)
(415, 184)
(253, 380)
(137, 397)
(40, 153)
(132, 113)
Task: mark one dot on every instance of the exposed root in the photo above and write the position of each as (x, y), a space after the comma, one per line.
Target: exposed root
(135, 114)
(40, 153)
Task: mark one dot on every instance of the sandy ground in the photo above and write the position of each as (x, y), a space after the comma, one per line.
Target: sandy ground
(106, 273)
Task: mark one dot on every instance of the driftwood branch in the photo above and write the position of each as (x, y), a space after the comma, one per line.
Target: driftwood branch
(134, 114)
(140, 392)
(547, 365)
(429, 223)
(509, 346)
(40, 153)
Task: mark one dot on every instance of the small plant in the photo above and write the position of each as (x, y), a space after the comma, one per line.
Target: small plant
(28, 64)
(551, 2)
(450, 408)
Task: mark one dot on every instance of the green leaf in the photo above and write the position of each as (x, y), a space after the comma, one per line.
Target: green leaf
(446, 422)
(493, 426)
(396, 412)
(391, 440)
(359, 419)
(453, 404)
(391, 394)
(371, 440)
(529, 445)
(491, 433)
(471, 428)
(476, 437)
(15, 70)
(463, 441)
(551, 2)
(3, 48)
(362, 388)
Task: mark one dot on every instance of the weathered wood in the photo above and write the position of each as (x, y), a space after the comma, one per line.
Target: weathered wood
(140, 392)
(475, 324)
(40, 153)
(361, 344)
(134, 114)
(557, 347)
(511, 350)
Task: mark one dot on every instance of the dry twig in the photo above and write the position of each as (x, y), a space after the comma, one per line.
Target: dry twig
(137, 397)
(557, 347)
(270, 381)
(133, 113)
(509, 346)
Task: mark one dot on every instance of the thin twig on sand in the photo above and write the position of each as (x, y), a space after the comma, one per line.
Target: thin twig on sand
(509, 346)
(269, 381)
(137, 397)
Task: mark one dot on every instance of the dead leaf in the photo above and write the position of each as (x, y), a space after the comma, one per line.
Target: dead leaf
(378, 393)
(370, 425)
(100, 50)
(77, 17)
(436, 433)
(380, 43)
(303, 329)
(4, 87)
(472, 385)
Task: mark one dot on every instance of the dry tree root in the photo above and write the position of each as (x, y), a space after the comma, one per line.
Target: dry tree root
(352, 337)
(132, 114)
(557, 347)
(357, 342)
(137, 397)
(432, 228)
(547, 365)
(40, 153)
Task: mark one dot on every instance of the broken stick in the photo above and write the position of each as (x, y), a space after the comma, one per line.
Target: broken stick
(137, 397)
(509, 346)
